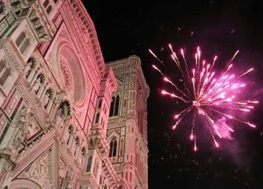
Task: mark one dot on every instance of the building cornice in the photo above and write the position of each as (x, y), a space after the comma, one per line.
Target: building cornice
(89, 27)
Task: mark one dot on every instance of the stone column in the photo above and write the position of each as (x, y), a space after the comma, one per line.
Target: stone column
(33, 77)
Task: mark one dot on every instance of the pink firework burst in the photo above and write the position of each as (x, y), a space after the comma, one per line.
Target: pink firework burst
(207, 94)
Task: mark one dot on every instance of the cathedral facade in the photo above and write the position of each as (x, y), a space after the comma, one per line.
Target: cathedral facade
(67, 119)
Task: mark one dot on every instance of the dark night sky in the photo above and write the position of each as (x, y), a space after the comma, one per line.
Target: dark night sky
(219, 27)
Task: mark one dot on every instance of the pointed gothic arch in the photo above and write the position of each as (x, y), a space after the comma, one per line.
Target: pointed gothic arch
(64, 109)
(114, 108)
(113, 147)
(25, 184)
(89, 162)
(97, 118)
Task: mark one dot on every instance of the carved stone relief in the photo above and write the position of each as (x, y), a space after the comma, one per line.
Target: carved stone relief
(27, 130)
(68, 182)
(40, 171)
(62, 171)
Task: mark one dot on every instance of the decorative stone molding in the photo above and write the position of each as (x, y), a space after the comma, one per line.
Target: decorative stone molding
(6, 163)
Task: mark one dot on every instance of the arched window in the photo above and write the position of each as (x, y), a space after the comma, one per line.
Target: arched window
(2, 7)
(4, 72)
(49, 9)
(114, 108)
(24, 45)
(22, 42)
(113, 148)
(20, 39)
(40, 30)
(89, 164)
(100, 103)
(45, 4)
(97, 118)
(91, 144)
(2, 65)
(121, 147)
(19, 9)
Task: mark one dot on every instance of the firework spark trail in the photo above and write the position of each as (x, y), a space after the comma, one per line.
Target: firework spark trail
(186, 76)
(156, 57)
(175, 86)
(206, 94)
(250, 70)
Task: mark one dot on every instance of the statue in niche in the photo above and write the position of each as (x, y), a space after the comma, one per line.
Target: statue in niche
(71, 183)
(62, 114)
(62, 173)
(59, 97)
(83, 154)
(65, 108)
(20, 116)
(17, 145)
(46, 98)
(19, 120)
(22, 122)
(26, 123)
(58, 118)
(29, 128)
(67, 135)
(29, 67)
(67, 183)
(37, 84)
(75, 146)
